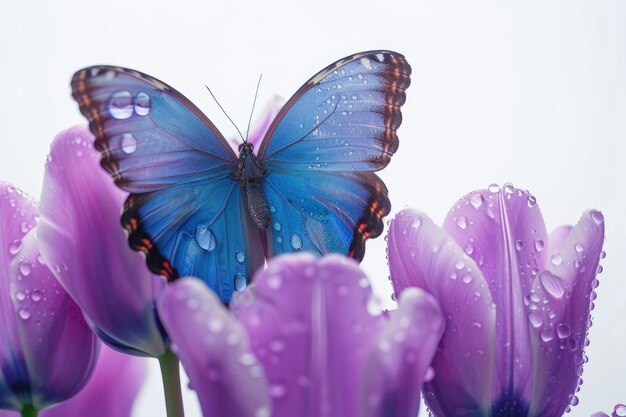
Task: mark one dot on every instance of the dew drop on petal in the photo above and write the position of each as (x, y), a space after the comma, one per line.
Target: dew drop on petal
(539, 245)
(417, 222)
(494, 188)
(556, 259)
(461, 222)
(579, 247)
(20, 295)
(563, 330)
(546, 334)
(15, 247)
(476, 201)
(519, 245)
(531, 200)
(535, 319)
(25, 268)
(508, 188)
(121, 105)
(24, 313)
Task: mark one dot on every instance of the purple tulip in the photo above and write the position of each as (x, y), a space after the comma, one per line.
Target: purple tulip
(47, 351)
(260, 126)
(516, 301)
(306, 343)
(110, 392)
(80, 234)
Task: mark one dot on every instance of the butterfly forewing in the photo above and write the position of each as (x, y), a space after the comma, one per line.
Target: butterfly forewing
(185, 210)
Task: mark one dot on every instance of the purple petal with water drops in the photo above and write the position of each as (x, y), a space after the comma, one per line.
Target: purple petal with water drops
(399, 360)
(42, 329)
(423, 255)
(81, 237)
(310, 327)
(214, 350)
(564, 294)
(503, 231)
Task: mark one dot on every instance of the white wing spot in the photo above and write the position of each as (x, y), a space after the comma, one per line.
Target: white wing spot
(366, 63)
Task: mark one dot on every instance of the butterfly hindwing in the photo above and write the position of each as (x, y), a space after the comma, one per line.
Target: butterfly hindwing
(185, 210)
(325, 212)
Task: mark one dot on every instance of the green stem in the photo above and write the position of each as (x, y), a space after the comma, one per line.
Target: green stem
(171, 384)
(29, 411)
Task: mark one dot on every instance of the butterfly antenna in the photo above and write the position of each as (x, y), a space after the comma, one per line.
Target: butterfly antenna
(256, 93)
(224, 111)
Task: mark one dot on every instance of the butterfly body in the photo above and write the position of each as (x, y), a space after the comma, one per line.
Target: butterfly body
(195, 207)
(250, 174)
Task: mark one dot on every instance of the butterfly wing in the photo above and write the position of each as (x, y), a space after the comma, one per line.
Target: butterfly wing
(185, 210)
(322, 148)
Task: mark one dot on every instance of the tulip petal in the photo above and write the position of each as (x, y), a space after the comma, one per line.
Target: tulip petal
(260, 127)
(310, 327)
(17, 216)
(43, 328)
(214, 350)
(504, 232)
(422, 255)
(564, 291)
(110, 392)
(80, 235)
(398, 361)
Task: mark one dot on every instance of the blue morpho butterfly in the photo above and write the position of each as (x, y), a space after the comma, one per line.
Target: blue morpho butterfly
(196, 208)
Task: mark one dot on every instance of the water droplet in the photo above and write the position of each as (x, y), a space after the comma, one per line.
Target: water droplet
(461, 222)
(15, 247)
(535, 319)
(597, 216)
(531, 200)
(429, 375)
(539, 245)
(469, 249)
(417, 222)
(129, 143)
(459, 264)
(453, 275)
(23, 313)
(240, 256)
(579, 248)
(555, 286)
(277, 226)
(142, 104)
(279, 239)
(121, 105)
(602, 254)
(546, 335)
(273, 209)
(277, 390)
(556, 259)
(25, 268)
(467, 279)
(494, 188)
(20, 295)
(574, 400)
(509, 188)
(240, 282)
(35, 296)
(563, 330)
(205, 238)
(476, 201)
(296, 242)
(620, 410)
(25, 227)
(519, 245)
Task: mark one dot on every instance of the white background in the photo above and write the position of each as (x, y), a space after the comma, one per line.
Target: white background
(529, 92)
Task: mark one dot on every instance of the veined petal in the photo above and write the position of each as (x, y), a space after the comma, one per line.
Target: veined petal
(423, 255)
(81, 238)
(503, 230)
(402, 353)
(565, 291)
(214, 350)
(310, 327)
